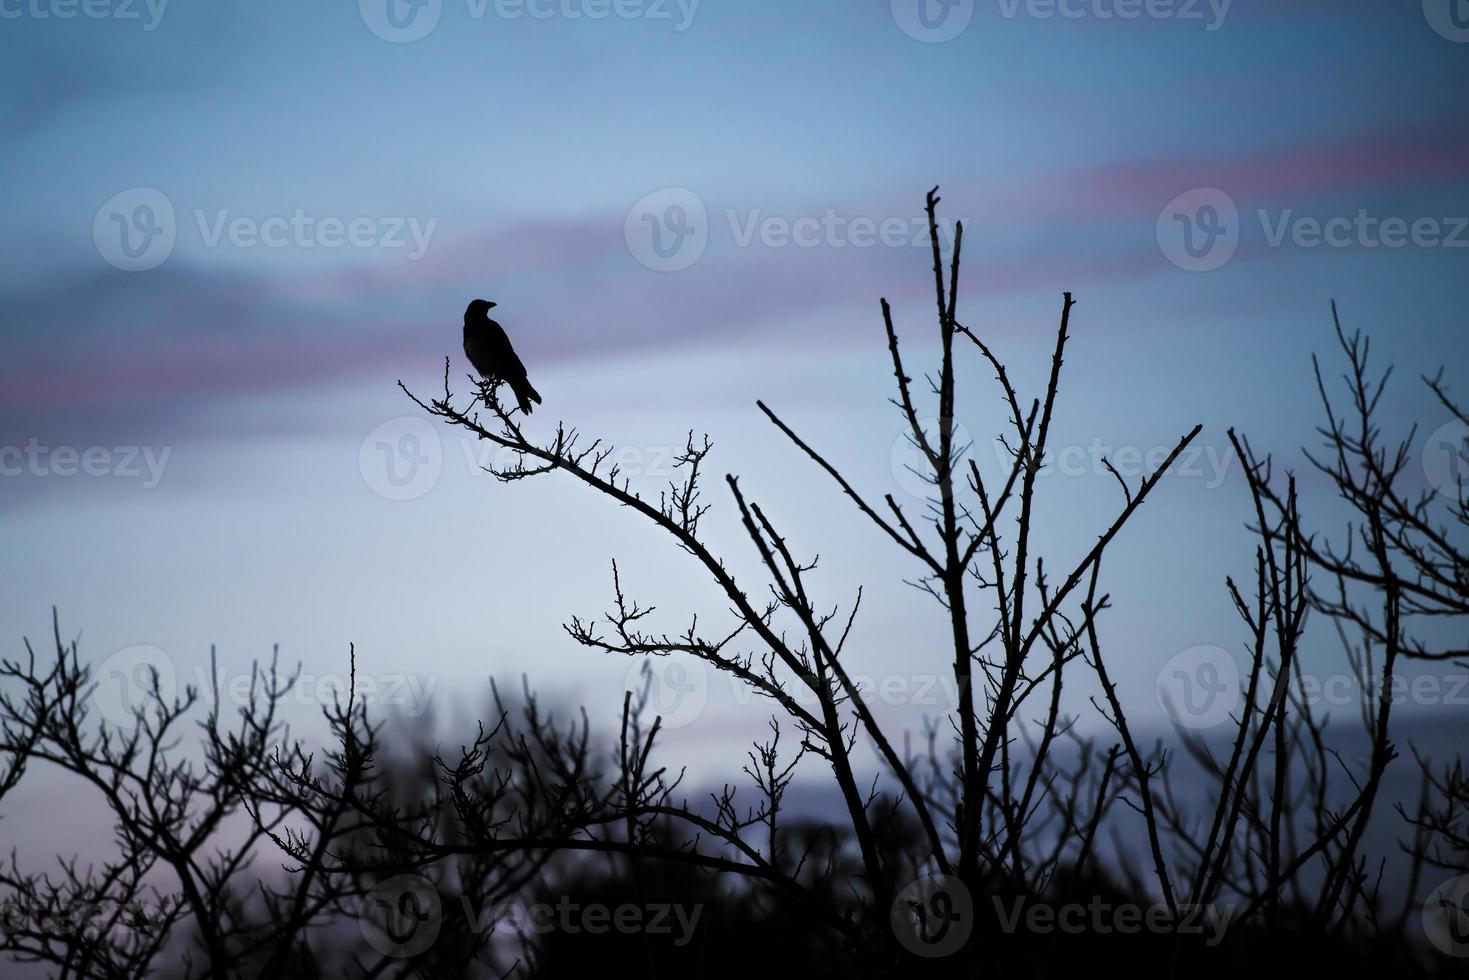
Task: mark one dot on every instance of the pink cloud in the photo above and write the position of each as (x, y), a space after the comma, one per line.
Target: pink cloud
(578, 293)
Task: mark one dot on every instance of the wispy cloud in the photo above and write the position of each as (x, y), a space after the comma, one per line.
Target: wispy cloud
(101, 342)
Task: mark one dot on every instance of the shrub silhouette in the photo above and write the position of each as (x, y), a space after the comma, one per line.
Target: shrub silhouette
(959, 859)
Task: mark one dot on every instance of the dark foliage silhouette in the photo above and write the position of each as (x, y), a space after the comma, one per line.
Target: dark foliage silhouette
(192, 793)
(959, 859)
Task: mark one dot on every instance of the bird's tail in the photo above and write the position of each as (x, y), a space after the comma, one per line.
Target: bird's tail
(525, 394)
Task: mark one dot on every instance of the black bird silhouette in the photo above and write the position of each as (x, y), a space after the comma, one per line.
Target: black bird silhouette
(488, 348)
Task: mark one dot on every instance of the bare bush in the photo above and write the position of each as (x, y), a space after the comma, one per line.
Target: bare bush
(931, 864)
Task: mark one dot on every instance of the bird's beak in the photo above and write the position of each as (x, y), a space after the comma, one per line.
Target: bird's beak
(491, 306)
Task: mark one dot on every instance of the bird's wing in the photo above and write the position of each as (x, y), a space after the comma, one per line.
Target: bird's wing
(505, 357)
(475, 350)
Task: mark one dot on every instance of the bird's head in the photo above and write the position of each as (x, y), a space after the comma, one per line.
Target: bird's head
(478, 309)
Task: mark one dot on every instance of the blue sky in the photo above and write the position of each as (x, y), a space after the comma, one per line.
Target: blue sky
(254, 363)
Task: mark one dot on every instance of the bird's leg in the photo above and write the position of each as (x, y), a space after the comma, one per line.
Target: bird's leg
(485, 388)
